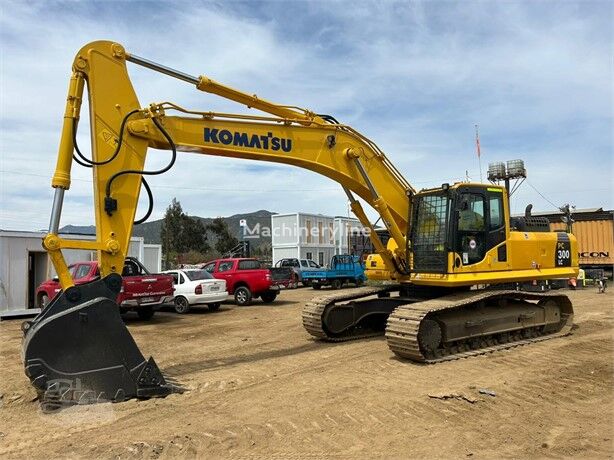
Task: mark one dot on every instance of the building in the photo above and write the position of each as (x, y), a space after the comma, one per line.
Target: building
(24, 265)
(311, 236)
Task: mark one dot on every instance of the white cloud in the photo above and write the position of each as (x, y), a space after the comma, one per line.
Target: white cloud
(414, 77)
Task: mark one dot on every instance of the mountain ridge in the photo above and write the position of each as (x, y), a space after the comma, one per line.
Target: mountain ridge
(150, 231)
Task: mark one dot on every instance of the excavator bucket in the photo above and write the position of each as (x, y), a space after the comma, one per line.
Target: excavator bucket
(79, 351)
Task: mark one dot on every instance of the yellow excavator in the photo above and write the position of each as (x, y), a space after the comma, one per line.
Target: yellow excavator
(454, 256)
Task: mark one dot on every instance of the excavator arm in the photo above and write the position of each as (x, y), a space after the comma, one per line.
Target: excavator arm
(78, 349)
(122, 131)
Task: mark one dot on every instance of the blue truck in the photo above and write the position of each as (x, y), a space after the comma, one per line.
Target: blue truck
(343, 269)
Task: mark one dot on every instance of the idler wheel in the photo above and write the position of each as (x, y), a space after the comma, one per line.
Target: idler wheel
(429, 335)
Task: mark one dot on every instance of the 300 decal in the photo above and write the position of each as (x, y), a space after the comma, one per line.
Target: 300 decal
(563, 254)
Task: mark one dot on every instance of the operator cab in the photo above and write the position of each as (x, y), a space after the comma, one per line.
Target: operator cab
(466, 219)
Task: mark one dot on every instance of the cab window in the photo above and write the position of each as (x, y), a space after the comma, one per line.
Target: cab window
(81, 271)
(471, 213)
(175, 276)
(247, 265)
(496, 212)
(210, 267)
(312, 264)
(304, 263)
(224, 266)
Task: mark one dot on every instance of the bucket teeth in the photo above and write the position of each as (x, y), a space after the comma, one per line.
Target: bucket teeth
(82, 353)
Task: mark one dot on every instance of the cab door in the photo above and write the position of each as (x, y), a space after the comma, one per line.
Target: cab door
(479, 223)
(496, 222)
(470, 222)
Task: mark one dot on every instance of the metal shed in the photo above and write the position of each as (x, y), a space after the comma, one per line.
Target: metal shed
(24, 265)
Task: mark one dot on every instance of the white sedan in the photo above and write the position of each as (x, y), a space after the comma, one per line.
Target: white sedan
(194, 286)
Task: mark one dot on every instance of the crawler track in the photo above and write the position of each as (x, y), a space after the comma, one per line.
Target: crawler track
(402, 331)
(314, 310)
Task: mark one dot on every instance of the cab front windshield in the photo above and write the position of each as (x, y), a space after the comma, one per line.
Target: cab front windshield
(431, 216)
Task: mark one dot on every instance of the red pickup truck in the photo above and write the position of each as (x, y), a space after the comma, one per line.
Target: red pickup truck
(247, 280)
(141, 291)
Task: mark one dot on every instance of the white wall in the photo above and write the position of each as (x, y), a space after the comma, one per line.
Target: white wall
(319, 254)
(135, 248)
(318, 230)
(14, 248)
(152, 257)
(284, 253)
(284, 230)
(343, 225)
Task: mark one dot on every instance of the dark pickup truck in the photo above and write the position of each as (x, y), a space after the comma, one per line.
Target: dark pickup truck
(141, 291)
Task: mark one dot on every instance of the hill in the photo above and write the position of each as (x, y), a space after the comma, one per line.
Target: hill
(150, 231)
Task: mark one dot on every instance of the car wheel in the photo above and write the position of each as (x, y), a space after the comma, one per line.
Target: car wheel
(336, 284)
(214, 306)
(306, 283)
(269, 297)
(316, 286)
(145, 313)
(182, 305)
(43, 300)
(243, 296)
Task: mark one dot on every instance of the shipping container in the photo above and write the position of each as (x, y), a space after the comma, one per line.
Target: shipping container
(595, 241)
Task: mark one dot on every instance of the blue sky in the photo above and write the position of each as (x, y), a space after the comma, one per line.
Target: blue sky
(415, 77)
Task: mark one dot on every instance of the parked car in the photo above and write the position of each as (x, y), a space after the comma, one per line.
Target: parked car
(141, 291)
(343, 269)
(246, 279)
(299, 266)
(197, 286)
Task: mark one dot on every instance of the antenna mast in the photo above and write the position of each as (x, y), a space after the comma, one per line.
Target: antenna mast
(477, 145)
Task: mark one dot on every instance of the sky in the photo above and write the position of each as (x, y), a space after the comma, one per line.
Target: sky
(415, 77)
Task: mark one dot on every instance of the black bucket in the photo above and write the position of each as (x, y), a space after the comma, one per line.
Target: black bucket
(79, 351)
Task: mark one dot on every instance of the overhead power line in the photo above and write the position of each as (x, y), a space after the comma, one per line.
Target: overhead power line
(540, 194)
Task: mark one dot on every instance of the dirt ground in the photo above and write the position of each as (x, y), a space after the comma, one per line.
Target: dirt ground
(259, 387)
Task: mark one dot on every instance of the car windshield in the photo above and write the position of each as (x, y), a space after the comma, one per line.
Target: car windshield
(195, 275)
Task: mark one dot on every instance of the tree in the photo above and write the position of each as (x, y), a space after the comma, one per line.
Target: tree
(171, 228)
(194, 236)
(181, 233)
(225, 240)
